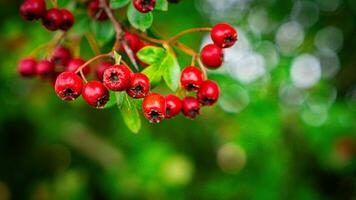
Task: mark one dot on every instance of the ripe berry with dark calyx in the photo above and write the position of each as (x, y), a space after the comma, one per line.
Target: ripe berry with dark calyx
(101, 67)
(223, 35)
(139, 86)
(212, 56)
(44, 68)
(75, 63)
(208, 93)
(190, 107)
(68, 20)
(27, 67)
(61, 56)
(154, 107)
(144, 6)
(96, 12)
(117, 78)
(173, 106)
(53, 19)
(95, 94)
(68, 86)
(33, 9)
(191, 78)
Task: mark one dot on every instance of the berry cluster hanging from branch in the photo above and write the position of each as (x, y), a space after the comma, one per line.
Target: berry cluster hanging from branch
(151, 60)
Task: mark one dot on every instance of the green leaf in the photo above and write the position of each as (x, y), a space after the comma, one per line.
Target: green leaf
(82, 24)
(115, 4)
(130, 114)
(112, 100)
(151, 55)
(161, 5)
(119, 98)
(139, 20)
(153, 73)
(104, 31)
(171, 73)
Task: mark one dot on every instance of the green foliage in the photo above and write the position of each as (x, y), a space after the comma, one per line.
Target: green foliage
(141, 21)
(115, 4)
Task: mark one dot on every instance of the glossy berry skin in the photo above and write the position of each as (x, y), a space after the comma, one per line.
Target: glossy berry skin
(139, 86)
(212, 56)
(154, 107)
(101, 67)
(223, 35)
(191, 78)
(61, 56)
(27, 67)
(190, 107)
(53, 19)
(96, 12)
(95, 94)
(173, 106)
(75, 63)
(68, 20)
(208, 93)
(44, 68)
(144, 6)
(117, 78)
(33, 9)
(68, 86)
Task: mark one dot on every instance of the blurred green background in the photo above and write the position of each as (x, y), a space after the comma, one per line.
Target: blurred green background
(284, 127)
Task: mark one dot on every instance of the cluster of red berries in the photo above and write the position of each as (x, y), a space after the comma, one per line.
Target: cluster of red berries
(96, 11)
(52, 19)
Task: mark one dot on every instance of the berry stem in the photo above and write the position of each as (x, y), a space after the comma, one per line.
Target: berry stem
(83, 76)
(54, 3)
(194, 57)
(192, 30)
(92, 43)
(93, 59)
(202, 67)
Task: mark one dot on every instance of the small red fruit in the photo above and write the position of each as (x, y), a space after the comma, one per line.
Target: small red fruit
(139, 86)
(154, 107)
(133, 41)
(75, 63)
(191, 78)
(101, 67)
(173, 106)
(68, 19)
(61, 56)
(44, 68)
(68, 86)
(208, 93)
(95, 94)
(96, 12)
(33, 9)
(144, 6)
(27, 67)
(190, 107)
(223, 35)
(212, 56)
(117, 78)
(53, 19)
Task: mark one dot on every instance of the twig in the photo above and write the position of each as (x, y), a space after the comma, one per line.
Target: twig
(82, 75)
(202, 67)
(93, 59)
(174, 38)
(92, 42)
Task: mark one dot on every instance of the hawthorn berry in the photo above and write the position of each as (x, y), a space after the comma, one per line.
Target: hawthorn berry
(190, 107)
(117, 78)
(96, 12)
(133, 41)
(173, 106)
(33, 9)
(154, 107)
(144, 6)
(44, 68)
(101, 67)
(68, 86)
(223, 35)
(212, 56)
(139, 86)
(61, 56)
(75, 63)
(27, 67)
(53, 19)
(95, 94)
(68, 20)
(208, 93)
(191, 78)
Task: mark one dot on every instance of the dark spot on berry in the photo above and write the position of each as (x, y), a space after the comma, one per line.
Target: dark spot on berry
(191, 87)
(207, 101)
(138, 89)
(114, 77)
(101, 101)
(68, 92)
(230, 39)
(168, 111)
(193, 113)
(146, 3)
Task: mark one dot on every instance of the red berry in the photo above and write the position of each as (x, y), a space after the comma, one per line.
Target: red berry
(95, 94)
(190, 107)
(133, 41)
(117, 78)
(75, 63)
(61, 56)
(208, 93)
(68, 20)
(173, 106)
(144, 6)
(44, 68)
(154, 107)
(223, 35)
(53, 19)
(96, 12)
(191, 78)
(101, 67)
(68, 86)
(212, 56)
(139, 86)
(27, 67)
(33, 9)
